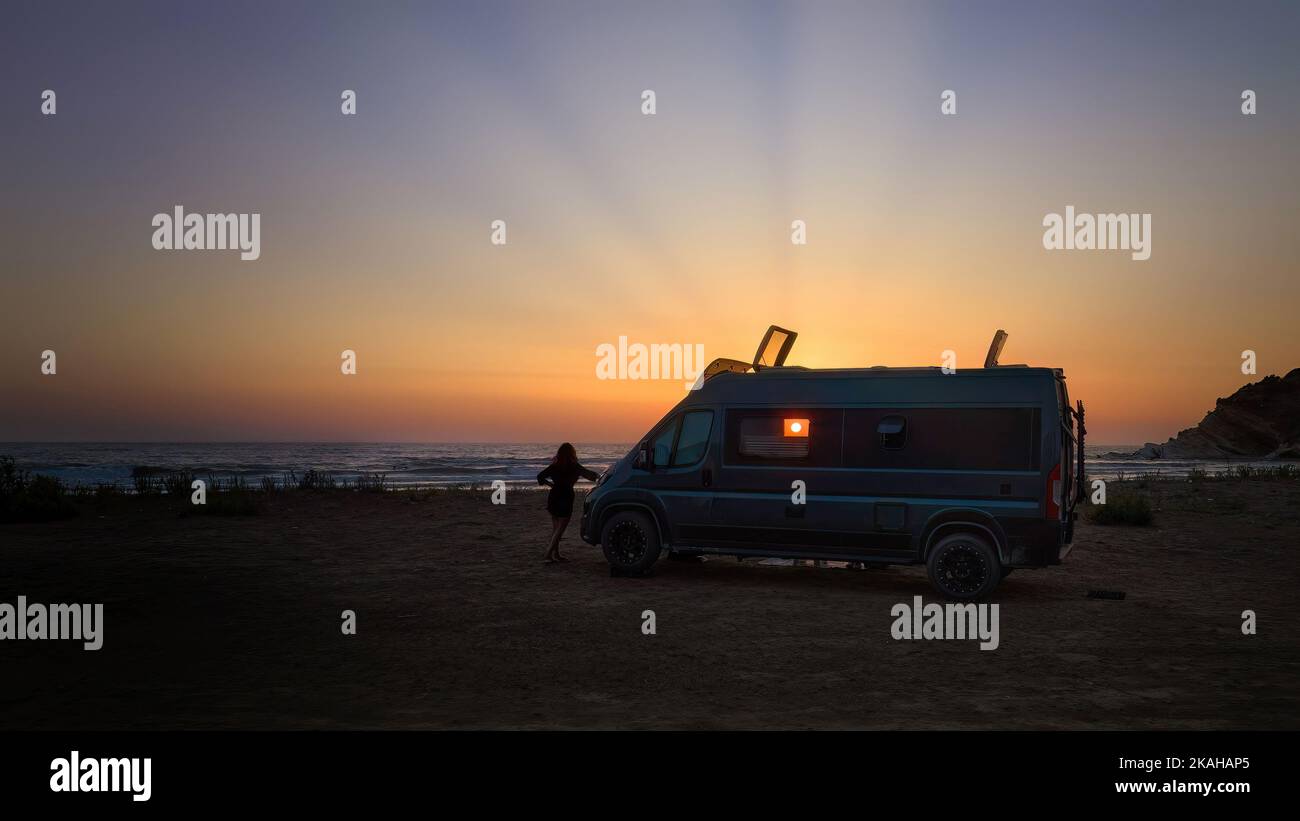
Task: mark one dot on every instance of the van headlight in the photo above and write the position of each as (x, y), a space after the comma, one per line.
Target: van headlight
(604, 477)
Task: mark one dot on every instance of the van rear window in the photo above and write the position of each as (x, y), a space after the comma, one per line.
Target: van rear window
(943, 438)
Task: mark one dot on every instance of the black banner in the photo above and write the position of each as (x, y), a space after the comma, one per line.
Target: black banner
(329, 770)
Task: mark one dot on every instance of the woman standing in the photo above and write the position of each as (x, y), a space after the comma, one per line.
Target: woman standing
(561, 475)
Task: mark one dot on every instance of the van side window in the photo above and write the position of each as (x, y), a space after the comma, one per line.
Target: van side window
(969, 438)
(764, 438)
(804, 437)
(694, 440)
(893, 432)
(663, 444)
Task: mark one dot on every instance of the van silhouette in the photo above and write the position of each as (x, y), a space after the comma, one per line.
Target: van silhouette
(974, 472)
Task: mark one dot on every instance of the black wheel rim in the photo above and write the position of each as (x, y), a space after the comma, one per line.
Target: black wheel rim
(962, 569)
(627, 543)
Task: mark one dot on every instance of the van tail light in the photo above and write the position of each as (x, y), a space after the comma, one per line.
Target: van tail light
(1054, 493)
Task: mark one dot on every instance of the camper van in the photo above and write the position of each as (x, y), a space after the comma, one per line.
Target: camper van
(973, 472)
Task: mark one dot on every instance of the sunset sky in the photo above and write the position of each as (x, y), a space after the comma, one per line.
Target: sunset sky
(924, 231)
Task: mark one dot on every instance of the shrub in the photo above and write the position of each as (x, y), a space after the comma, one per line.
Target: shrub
(107, 490)
(177, 483)
(1122, 509)
(375, 482)
(12, 480)
(316, 480)
(26, 498)
(144, 479)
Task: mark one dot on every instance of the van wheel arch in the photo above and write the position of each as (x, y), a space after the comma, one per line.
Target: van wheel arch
(969, 521)
(618, 507)
(964, 565)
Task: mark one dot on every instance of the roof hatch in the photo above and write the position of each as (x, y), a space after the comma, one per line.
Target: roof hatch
(774, 348)
(995, 349)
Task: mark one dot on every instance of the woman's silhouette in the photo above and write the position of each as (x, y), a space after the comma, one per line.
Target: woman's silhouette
(561, 475)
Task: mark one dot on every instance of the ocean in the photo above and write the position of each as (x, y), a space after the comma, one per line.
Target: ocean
(412, 465)
(407, 465)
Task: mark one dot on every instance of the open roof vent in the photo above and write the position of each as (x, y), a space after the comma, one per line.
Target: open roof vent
(995, 352)
(771, 353)
(995, 349)
(774, 348)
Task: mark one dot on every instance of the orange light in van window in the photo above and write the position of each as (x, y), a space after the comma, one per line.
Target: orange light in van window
(796, 427)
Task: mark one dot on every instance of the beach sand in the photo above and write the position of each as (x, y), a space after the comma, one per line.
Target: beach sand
(234, 622)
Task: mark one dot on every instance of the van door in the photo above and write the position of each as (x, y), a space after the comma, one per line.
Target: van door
(1073, 472)
(772, 472)
(681, 471)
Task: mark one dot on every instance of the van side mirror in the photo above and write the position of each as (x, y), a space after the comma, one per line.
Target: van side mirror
(644, 457)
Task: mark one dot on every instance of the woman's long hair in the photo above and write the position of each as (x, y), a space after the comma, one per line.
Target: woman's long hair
(566, 455)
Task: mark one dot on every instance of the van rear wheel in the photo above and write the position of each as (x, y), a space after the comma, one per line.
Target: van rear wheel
(630, 542)
(964, 566)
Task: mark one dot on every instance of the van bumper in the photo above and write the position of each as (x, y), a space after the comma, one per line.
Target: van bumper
(1035, 543)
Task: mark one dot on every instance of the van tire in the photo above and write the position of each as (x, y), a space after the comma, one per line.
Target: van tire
(964, 566)
(630, 542)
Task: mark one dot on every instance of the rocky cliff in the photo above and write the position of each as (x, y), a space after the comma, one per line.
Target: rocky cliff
(1262, 421)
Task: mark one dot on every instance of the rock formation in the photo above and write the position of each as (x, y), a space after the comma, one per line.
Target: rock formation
(1260, 421)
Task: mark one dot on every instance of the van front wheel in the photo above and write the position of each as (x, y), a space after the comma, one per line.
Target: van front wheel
(630, 542)
(964, 566)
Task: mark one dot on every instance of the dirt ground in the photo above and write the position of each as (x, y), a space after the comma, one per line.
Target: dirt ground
(234, 622)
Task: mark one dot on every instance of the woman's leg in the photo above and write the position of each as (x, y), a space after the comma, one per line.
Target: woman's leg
(555, 539)
(561, 522)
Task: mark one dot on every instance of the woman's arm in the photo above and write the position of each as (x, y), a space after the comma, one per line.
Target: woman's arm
(544, 477)
(589, 475)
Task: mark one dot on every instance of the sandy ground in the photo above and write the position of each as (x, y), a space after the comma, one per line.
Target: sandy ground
(235, 623)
